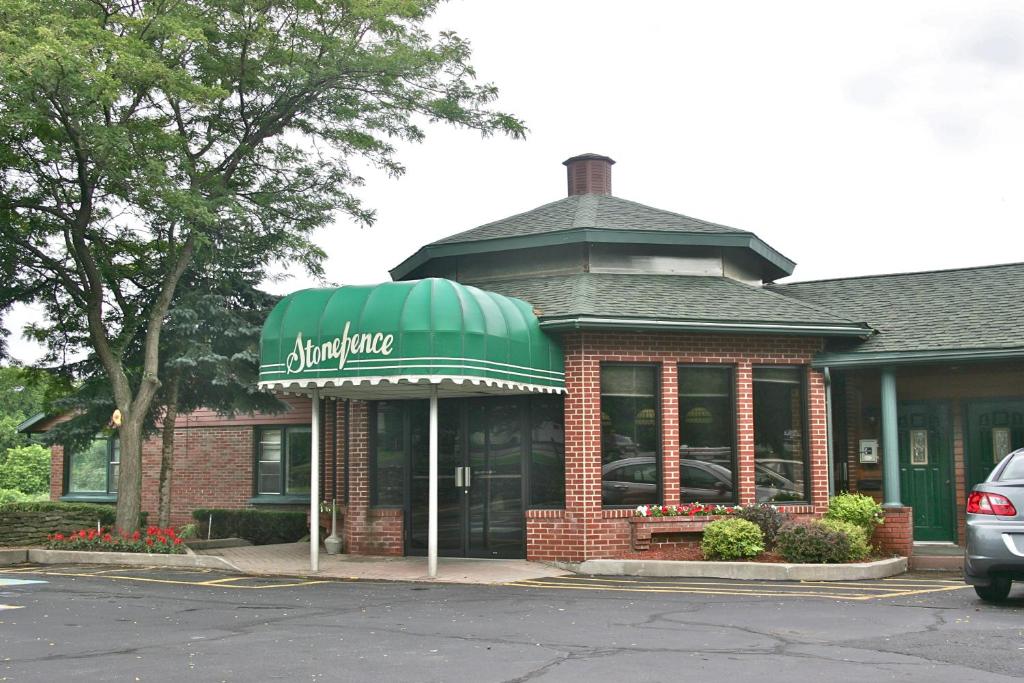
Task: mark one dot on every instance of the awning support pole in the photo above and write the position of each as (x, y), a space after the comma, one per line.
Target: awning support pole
(432, 495)
(314, 483)
(890, 442)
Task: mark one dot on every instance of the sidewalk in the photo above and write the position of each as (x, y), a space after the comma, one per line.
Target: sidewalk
(292, 559)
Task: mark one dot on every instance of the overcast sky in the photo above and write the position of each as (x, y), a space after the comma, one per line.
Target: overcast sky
(855, 138)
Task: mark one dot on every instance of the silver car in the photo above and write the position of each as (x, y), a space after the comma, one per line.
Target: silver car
(995, 530)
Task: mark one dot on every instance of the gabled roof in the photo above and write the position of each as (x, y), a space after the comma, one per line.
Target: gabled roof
(670, 302)
(595, 218)
(968, 312)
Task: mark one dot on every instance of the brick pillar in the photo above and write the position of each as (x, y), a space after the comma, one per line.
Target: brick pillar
(56, 472)
(669, 434)
(745, 432)
(817, 437)
(582, 446)
(356, 524)
(896, 535)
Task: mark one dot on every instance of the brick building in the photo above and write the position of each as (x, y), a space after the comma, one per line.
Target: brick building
(655, 361)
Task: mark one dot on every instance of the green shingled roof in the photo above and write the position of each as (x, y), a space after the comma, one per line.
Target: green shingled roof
(938, 311)
(603, 212)
(669, 302)
(595, 218)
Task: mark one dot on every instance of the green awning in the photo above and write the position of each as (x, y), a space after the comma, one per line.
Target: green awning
(397, 339)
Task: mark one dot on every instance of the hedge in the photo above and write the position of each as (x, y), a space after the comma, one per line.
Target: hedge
(259, 527)
(28, 523)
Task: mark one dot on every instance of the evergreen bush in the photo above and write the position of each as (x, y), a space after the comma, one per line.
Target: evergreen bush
(259, 527)
(858, 509)
(767, 518)
(812, 542)
(860, 547)
(731, 539)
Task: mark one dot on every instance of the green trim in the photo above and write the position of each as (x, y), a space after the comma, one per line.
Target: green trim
(89, 498)
(868, 359)
(811, 329)
(780, 265)
(269, 499)
(30, 422)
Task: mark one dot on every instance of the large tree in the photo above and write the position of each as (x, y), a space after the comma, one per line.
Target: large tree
(138, 136)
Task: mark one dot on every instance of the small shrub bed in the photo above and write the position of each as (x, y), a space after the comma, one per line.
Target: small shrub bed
(259, 527)
(858, 509)
(732, 539)
(812, 542)
(155, 540)
(767, 518)
(29, 523)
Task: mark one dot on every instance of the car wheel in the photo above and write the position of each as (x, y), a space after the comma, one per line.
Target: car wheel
(996, 591)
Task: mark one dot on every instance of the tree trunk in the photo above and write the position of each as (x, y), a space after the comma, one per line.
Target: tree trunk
(129, 482)
(167, 450)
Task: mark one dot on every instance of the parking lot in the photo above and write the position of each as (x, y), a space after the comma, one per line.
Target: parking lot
(109, 623)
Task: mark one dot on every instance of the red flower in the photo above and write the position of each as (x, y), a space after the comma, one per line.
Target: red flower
(108, 538)
(177, 541)
(59, 537)
(82, 533)
(136, 536)
(149, 541)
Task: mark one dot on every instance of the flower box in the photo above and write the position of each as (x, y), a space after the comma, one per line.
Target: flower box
(642, 528)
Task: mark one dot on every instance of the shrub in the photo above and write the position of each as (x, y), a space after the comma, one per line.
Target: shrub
(858, 509)
(860, 548)
(730, 539)
(155, 540)
(11, 496)
(767, 518)
(812, 542)
(259, 527)
(26, 469)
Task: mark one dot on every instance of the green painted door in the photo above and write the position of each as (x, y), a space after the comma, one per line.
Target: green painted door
(994, 428)
(926, 471)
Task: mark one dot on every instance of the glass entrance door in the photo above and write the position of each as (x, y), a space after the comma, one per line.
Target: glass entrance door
(480, 483)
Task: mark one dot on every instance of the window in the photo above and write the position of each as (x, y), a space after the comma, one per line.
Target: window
(707, 441)
(630, 435)
(387, 468)
(547, 452)
(780, 428)
(283, 461)
(93, 470)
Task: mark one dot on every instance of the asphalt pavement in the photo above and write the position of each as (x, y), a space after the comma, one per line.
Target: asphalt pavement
(119, 624)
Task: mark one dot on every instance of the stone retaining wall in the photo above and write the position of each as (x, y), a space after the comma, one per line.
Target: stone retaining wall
(30, 528)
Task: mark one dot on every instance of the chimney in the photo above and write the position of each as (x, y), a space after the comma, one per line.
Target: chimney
(589, 174)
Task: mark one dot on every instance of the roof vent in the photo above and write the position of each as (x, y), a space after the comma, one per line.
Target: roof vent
(589, 174)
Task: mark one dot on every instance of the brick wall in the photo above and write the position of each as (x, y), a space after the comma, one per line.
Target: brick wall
(585, 530)
(368, 531)
(896, 535)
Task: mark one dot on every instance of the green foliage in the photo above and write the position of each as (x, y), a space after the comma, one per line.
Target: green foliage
(860, 546)
(857, 509)
(767, 518)
(812, 542)
(26, 469)
(259, 527)
(12, 496)
(731, 539)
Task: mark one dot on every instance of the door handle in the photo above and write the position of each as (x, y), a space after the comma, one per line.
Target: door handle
(459, 476)
(468, 476)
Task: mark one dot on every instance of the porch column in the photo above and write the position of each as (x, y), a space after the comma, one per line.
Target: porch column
(890, 442)
(314, 482)
(432, 489)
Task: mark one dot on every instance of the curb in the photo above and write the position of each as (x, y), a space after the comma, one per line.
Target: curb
(744, 571)
(39, 556)
(17, 556)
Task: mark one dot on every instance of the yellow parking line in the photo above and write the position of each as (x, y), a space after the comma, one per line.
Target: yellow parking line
(697, 591)
(222, 583)
(3, 607)
(796, 586)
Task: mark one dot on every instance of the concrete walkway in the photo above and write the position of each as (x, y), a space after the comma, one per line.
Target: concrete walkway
(292, 559)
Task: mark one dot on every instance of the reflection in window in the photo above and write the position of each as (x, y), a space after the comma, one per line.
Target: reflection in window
(283, 460)
(388, 455)
(630, 467)
(780, 447)
(547, 452)
(94, 469)
(707, 472)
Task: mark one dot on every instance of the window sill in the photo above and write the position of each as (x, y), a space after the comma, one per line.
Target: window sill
(89, 498)
(279, 500)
